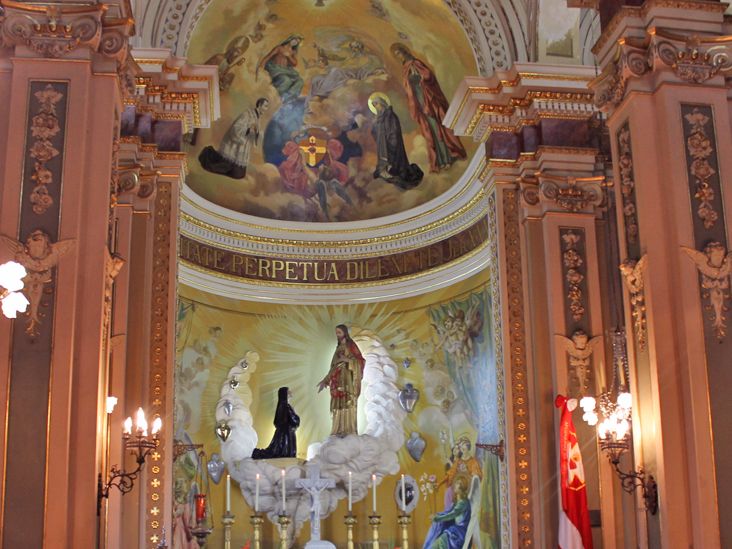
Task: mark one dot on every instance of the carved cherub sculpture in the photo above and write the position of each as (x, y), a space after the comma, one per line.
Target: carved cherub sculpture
(38, 255)
(715, 265)
(632, 272)
(579, 348)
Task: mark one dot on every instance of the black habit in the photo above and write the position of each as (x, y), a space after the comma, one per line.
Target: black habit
(393, 165)
(286, 421)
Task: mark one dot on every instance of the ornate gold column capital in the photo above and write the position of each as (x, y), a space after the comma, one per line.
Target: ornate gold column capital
(643, 47)
(55, 30)
(544, 192)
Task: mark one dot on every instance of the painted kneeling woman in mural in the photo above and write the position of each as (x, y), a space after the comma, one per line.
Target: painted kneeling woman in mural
(344, 380)
(286, 421)
(232, 158)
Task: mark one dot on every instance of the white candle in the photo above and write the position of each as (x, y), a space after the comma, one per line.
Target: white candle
(404, 496)
(373, 493)
(256, 496)
(284, 499)
(228, 493)
(350, 490)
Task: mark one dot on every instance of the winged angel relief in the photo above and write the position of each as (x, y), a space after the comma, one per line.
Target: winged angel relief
(38, 255)
(579, 348)
(715, 265)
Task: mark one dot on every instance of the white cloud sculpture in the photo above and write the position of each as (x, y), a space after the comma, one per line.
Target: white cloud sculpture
(372, 452)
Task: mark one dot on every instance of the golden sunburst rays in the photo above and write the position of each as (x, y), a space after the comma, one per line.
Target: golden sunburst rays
(295, 344)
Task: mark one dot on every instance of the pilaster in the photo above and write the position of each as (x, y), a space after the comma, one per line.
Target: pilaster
(542, 138)
(664, 88)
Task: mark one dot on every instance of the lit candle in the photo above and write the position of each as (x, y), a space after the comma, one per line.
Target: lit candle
(128, 426)
(404, 496)
(284, 500)
(373, 493)
(350, 491)
(228, 492)
(256, 496)
(200, 507)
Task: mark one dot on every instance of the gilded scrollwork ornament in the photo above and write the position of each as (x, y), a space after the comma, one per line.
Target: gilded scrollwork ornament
(573, 266)
(39, 255)
(715, 265)
(633, 272)
(701, 149)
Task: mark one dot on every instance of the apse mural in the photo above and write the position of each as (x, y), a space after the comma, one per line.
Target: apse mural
(331, 110)
(427, 407)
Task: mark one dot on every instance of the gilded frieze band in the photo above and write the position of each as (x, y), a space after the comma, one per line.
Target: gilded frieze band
(519, 379)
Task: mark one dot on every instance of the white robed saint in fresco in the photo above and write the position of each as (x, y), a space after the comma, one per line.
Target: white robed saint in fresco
(232, 158)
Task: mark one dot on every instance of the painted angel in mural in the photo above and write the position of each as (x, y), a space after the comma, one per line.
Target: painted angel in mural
(232, 58)
(344, 380)
(38, 255)
(458, 331)
(232, 158)
(280, 64)
(428, 105)
(392, 164)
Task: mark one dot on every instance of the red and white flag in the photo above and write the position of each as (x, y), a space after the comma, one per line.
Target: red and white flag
(574, 518)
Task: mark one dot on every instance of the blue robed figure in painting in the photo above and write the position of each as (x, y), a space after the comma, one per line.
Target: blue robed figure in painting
(449, 528)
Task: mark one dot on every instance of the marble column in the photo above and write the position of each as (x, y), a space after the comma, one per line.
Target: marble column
(662, 84)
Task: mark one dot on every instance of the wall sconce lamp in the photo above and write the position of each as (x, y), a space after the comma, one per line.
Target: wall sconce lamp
(614, 431)
(11, 280)
(140, 445)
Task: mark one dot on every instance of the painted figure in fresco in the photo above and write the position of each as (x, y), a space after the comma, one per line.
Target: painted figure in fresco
(449, 528)
(428, 105)
(462, 464)
(280, 64)
(392, 164)
(332, 176)
(286, 422)
(232, 58)
(344, 380)
(296, 176)
(359, 65)
(242, 136)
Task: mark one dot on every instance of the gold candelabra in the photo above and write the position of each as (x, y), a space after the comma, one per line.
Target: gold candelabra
(284, 522)
(404, 522)
(350, 522)
(257, 521)
(228, 521)
(374, 521)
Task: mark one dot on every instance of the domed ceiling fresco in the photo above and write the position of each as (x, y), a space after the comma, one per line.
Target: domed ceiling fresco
(331, 109)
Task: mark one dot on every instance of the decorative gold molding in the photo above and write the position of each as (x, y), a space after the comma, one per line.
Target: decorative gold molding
(571, 194)
(160, 353)
(519, 374)
(573, 262)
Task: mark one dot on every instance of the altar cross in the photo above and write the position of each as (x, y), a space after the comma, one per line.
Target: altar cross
(314, 148)
(314, 485)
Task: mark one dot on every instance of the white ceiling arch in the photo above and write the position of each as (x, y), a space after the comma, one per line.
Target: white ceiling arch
(499, 31)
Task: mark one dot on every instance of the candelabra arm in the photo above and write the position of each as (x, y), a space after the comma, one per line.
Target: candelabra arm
(639, 479)
(123, 480)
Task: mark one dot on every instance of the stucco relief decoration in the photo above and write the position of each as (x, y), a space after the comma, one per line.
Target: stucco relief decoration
(579, 347)
(633, 272)
(39, 255)
(573, 263)
(627, 184)
(44, 127)
(56, 30)
(568, 193)
(700, 149)
(690, 60)
(715, 266)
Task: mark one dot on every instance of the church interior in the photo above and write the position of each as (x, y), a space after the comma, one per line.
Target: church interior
(365, 274)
